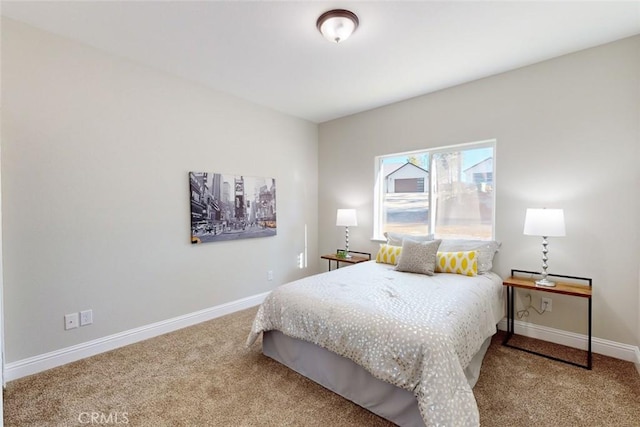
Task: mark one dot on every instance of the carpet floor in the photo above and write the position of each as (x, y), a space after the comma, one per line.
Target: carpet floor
(205, 376)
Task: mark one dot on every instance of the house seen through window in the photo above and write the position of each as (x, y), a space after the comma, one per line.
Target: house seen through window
(447, 191)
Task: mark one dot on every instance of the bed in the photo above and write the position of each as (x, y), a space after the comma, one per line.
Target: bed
(406, 346)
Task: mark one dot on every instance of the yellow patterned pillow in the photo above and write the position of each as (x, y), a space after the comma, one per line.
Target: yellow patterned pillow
(465, 263)
(388, 254)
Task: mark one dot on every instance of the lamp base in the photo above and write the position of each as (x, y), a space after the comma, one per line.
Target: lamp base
(545, 283)
(348, 255)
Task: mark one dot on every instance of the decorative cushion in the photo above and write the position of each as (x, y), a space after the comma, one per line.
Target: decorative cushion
(486, 250)
(418, 257)
(395, 239)
(388, 254)
(465, 263)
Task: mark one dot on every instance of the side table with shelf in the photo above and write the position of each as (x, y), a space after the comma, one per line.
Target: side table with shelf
(565, 288)
(355, 259)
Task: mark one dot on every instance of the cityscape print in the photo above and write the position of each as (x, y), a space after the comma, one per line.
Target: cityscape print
(229, 207)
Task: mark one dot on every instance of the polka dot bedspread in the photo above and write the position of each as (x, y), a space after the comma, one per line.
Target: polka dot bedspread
(414, 331)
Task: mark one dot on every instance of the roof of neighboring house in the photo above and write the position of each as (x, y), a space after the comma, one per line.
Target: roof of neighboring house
(479, 163)
(405, 165)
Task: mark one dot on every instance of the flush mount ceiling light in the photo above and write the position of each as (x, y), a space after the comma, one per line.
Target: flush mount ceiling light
(337, 25)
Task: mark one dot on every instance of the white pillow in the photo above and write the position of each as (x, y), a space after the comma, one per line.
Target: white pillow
(418, 257)
(395, 239)
(486, 250)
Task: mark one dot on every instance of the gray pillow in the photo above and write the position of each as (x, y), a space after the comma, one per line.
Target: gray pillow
(418, 257)
(395, 239)
(486, 250)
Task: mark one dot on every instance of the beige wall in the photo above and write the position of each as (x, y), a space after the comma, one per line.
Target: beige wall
(567, 136)
(96, 152)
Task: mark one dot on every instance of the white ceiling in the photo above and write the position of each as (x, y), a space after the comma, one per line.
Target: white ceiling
(271, 53)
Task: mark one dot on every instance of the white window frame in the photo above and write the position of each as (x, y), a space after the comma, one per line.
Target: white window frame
(378, 195)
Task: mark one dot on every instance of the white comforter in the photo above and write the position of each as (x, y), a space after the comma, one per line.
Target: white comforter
(414, 331)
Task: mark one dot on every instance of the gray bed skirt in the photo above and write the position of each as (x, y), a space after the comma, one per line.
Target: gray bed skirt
(350, 380)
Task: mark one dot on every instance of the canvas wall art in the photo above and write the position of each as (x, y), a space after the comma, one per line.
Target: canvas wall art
(229, 207)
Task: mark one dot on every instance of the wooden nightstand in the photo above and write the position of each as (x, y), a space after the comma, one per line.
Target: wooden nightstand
(564, 288)
(355, 259)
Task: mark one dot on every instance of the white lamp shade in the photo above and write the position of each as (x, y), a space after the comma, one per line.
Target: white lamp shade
(346, 218)
(544, 222)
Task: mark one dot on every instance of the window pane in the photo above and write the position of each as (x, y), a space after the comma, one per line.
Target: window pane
(405, 194)
(463, 193)
(448, 192)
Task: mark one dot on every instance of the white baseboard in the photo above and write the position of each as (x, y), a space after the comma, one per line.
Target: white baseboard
(33, 365)
(598, 345)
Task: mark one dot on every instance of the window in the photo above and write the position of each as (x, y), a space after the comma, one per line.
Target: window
(447, 191)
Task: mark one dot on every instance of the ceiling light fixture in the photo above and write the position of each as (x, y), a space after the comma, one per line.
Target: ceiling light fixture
(337, 25)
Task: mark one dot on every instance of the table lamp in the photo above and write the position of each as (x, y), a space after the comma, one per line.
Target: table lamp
(346, 218)
(545, 223)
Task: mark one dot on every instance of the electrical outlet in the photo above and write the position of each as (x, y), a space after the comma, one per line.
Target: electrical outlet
(70, 321)
(86, 317)
(546, 305)
(270, 275)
